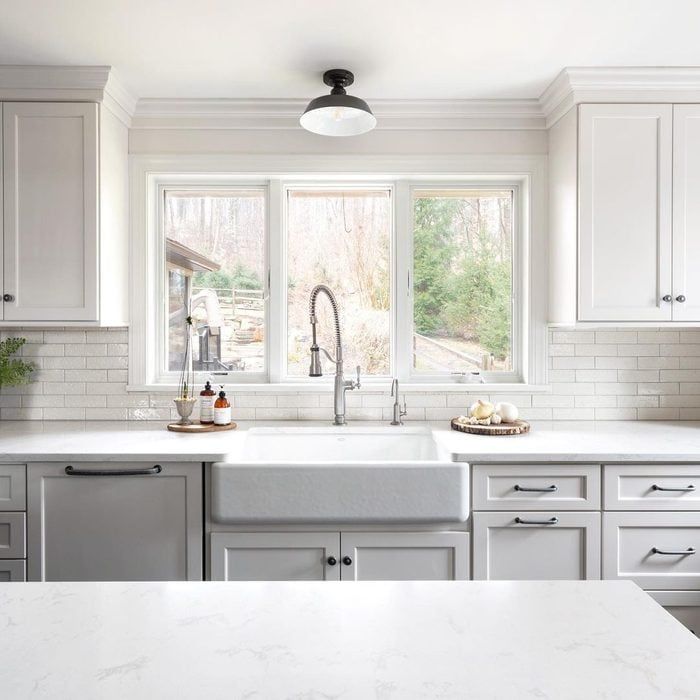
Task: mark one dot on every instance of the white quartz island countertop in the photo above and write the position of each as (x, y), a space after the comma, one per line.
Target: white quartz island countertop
(612, 441)
(498, 640)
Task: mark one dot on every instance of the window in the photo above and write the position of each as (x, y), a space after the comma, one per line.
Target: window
(215, 266)
(462, 280)
(340, 237)
(435, 278)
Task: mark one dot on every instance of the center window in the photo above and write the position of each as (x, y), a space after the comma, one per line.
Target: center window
(340, 237)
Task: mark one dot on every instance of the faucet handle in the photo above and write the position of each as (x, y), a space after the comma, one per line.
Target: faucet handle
(404, 410)
(357, 382)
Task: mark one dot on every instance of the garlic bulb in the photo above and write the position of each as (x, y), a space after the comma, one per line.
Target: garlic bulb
(496, 419)
(507, 411)
(481, 409)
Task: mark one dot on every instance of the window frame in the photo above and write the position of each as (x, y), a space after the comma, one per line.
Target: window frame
(525, 175)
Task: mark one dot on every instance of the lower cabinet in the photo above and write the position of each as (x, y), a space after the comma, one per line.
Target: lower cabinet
(520, 546)
(12, 570)
(115, 521)
(659, 551)
(333, 556)
(683, 605)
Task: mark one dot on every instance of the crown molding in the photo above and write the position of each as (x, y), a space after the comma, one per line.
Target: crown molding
(165, 113)
(623, 84)
(68, 83)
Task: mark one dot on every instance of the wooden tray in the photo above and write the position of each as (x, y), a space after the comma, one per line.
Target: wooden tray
(520, 427)
(200, 428)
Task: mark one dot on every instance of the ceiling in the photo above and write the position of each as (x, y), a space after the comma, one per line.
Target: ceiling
(448, 49)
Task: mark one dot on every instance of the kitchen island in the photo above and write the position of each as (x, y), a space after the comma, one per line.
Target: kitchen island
(503, 640)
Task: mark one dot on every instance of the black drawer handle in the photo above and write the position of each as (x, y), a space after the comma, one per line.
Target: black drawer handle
(674, 552)
(552, 521)
(157, 469)
(533, 489)
(685, 489)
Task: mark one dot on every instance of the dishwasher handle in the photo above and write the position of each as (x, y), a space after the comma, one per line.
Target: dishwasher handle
(156, 469)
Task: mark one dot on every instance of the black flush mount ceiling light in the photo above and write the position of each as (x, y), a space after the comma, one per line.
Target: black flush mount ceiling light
(338, 114)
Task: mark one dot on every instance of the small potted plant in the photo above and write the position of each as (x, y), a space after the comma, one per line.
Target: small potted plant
(13, 370)
(186, 399)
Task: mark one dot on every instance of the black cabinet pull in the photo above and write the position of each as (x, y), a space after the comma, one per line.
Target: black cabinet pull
(347, 561)
(156, 469)
(551, 521)
(331, 561)
(7, 297)
(533, 489)
(674, 552)
(656, 487)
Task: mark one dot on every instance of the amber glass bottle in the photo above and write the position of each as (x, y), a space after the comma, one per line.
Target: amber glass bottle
(222, 410)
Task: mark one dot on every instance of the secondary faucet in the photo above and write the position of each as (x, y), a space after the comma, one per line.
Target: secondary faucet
(399, 412)
(341, 385)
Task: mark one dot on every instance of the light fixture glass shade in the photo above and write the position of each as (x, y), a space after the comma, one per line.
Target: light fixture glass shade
(338, 115)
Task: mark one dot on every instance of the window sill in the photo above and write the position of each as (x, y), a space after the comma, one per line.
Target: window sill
(369, 387)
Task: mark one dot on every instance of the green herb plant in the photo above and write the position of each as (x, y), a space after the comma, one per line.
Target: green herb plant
(13, 370)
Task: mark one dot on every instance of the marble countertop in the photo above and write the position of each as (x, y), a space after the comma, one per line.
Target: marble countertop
(611, 441)
(500, 640)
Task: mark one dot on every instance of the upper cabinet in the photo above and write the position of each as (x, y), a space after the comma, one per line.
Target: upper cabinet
(625, 230)
(625, 185)
(64, 234)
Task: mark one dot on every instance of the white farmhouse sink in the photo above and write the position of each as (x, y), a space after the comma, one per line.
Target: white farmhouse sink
(343, 475)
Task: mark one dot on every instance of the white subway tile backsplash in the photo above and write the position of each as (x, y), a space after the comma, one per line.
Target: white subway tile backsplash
(608, 374)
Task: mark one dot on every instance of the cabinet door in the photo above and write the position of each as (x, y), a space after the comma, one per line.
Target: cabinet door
(115, 522)
(625, 171)
(275, 556)
(405, 556)
(13, 480)
(686, 212)
(536, 546)
(12, 570)
(50, 211)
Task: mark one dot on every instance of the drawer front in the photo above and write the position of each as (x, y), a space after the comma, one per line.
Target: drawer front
(683, 605)
(651, 487)
(13, 483)
(13, 570)
(536, 487)
(13, 540)
(522, 546)
(656, 550)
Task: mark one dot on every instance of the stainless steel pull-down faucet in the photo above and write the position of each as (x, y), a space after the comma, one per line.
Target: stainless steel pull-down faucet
(399, 412)
(340, 385)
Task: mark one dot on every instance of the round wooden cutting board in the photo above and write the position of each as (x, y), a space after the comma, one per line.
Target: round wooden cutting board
(520, 427)
(200, 428)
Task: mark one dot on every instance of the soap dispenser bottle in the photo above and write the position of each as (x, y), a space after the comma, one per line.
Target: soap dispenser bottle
(206, 404)
(222, 410)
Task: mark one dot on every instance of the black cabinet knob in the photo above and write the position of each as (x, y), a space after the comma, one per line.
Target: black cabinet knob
(347, 561)
(7, 297)
(680, 298)
(331, 561)
(667, 298)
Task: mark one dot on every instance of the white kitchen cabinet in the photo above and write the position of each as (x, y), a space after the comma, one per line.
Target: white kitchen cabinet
(625, 212)
(683, 605)
(333, 556)
(686, 212)
(13, 535)
(656, 550)
(115, 521)
(64, 237)
(526, 546)
(405, 556)
(652, 487)
(275, 556)
(13, 481)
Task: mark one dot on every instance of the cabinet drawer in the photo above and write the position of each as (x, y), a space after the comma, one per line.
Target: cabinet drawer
(12, 536)
(13, 570)
(522, 546)
(656, 550)
(13, 481)
(651, 487)
(536, 487)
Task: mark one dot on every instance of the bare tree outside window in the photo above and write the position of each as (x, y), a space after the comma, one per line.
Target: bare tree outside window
(342, 238)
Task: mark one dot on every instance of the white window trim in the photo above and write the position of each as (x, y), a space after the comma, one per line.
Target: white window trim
(149, 173)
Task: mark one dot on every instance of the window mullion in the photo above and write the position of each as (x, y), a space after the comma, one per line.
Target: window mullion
(403, 305)
(277, 297)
